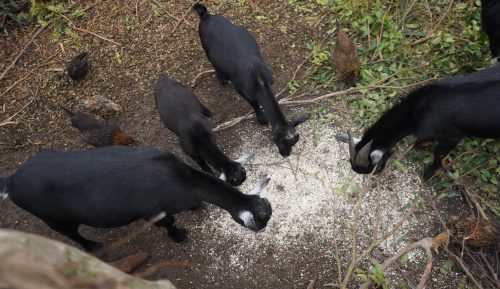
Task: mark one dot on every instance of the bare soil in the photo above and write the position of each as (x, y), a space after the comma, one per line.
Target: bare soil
(218, 253)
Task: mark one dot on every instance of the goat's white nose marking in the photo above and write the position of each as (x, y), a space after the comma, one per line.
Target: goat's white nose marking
(247, 218)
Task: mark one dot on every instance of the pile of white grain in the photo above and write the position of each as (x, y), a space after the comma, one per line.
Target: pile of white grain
(312, 193)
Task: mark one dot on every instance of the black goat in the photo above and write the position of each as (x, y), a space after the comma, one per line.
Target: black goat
(113, 186)
(445, 111)
(235, 55)
(490, 22)
(184, 115)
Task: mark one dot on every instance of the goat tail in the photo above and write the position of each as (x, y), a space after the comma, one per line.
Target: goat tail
(3, 188)
(68, 111)
(337, 23)
(200, 9)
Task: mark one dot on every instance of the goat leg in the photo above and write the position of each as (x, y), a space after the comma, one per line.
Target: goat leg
(440, 152)
(423, 143)
(176, 234)
(222, 80)
(71, 231)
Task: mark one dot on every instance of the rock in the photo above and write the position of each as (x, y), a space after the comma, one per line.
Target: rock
(31, 261)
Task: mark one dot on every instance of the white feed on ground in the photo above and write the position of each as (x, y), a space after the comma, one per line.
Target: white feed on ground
(311, 193)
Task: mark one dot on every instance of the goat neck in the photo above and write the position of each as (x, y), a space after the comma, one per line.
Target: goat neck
(210, 189)
(214, 156)
(268, 103)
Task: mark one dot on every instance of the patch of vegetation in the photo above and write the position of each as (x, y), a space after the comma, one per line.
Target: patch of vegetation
(377, 276)
(59, 14)
(322, 115)
(400, 46)
(13, 13)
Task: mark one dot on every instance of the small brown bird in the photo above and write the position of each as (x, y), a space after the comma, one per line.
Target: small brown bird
(78, 67)
(477, 232)
(98, 132)
(345, 57)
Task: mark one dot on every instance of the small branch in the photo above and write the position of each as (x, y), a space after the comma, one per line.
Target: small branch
(458, 259)
(137, 9)
(312, 284)
(233, 122)
(9, 119)
(285, 101)
(20, 53)
(183, 17)
(195, 79)
(426, 244)
(375, 242)
(55, 69)
(130, 236)
(28, 74)
(464, 268)
(165, 264)
(95, 34)
(433, 31)
(322, 97)
(166, 11)
(490, 269)
(354, 89)
(294, 74)
(337, 255)
(472, 198)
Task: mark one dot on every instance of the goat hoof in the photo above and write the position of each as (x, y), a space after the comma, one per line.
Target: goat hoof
(178, 235)
(429, 173)
(222, 82)
(262, 119)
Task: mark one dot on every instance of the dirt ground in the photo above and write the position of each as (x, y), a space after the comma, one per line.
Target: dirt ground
(310, 216)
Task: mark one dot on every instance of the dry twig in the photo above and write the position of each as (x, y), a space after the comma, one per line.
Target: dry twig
(183, 18)
(20, 53)
(9, 119)
(433, 31)
(451, 254)
(312, 284)
(199, 75)
(165, 264)
(95, 34)
(130, 236)
(351, 90)
(464, 268)
(294, 76)
(45, 62)
(166, 11)
(426, 244)
(233, 122)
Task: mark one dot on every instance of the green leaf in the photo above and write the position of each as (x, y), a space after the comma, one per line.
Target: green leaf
(118, 57)
(42, 22)
(399, 166)
(404, 260)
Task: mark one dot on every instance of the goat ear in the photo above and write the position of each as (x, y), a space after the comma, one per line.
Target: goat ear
(300, 119)
(245, 158)
(223, 177)
(260, 185)
(376, 156)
